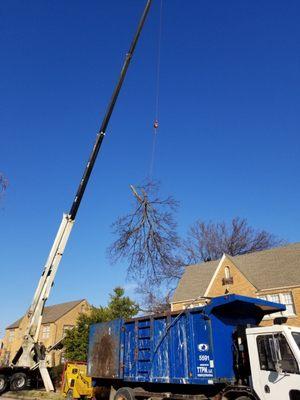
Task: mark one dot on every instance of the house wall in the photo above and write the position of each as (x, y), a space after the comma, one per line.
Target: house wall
(10, 348)
(68, 319)
(180, 305)
(293, 320)
(55, 334)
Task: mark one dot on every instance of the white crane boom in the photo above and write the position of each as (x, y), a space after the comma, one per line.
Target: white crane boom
(29, 354)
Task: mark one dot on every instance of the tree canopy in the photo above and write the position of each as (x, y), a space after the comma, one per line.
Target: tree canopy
(76, 340)
(209, 241)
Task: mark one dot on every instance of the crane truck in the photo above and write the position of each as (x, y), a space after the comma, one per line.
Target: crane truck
(215, 352)
(29, 359)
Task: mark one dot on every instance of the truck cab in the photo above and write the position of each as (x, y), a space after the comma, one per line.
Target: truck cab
(274, 355)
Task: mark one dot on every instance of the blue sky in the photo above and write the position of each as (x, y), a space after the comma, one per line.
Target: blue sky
(228, 142)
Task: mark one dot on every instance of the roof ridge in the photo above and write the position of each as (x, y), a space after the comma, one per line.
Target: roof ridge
(277, 248)
(65, 302)
(48, 309)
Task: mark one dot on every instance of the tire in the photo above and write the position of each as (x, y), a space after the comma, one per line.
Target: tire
(69, 395)
(125, 393)
(3, 383)
(243, 398)
(18, 382)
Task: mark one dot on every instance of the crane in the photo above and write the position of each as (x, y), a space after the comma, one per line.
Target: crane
(29, 356)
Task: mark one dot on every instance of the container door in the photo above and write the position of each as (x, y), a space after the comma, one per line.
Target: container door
(160, 351)
(201, 362)
(104, 350)
(129, 357)
(275, 380)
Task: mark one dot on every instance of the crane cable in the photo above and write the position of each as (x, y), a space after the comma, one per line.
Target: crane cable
(157, 97)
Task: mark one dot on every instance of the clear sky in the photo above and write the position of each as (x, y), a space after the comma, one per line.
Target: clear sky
(228, 142)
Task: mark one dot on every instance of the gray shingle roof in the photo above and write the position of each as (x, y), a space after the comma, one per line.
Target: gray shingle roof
(272, 268)
(268, 269)
(195, 280)
(52, 313)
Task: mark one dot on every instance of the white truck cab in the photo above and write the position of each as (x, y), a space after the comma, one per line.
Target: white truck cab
(274, 354)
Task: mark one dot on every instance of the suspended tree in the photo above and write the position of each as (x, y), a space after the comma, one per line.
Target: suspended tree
(147, 238)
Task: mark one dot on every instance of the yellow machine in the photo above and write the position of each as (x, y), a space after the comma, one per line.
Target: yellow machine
(75, 383)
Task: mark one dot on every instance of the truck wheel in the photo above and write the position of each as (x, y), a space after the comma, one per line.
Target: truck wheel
(18, 381)
(69, 395)
(125, 393)
(3, 383)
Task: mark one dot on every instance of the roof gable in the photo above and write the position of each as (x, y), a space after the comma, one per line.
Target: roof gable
(52, 313)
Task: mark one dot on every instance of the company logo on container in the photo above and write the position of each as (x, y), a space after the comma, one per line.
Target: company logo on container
(203, 347)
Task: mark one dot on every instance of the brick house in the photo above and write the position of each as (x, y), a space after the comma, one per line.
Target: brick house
(57, 319)
(270, 274)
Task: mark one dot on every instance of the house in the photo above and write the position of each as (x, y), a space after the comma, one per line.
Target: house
(272, 275)
(57, 319)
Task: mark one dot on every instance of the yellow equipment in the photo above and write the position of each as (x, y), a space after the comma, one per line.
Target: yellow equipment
(75, 382)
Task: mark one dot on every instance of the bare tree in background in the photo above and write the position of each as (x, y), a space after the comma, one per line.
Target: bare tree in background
(3, 184)
(147, 238)
(153, 300)
(208, 241)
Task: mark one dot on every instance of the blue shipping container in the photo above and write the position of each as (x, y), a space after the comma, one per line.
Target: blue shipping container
(194, 346)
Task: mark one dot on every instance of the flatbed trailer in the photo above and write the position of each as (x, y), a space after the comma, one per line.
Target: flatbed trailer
(212, 352)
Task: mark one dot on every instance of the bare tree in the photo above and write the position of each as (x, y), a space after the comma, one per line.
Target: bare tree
(3, 184)
(153, 300)
(208, 241)
(147, 238)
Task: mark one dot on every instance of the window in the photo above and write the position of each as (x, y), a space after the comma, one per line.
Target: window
(11, 336)
(295, 395)
(264, 354)
(67, 328)
(275, 347)
(227, 272)
(274, 297)
(228, 279)
(296, 336)
(46, 332)
(283, 298)
(62, 358)
(289, 303)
